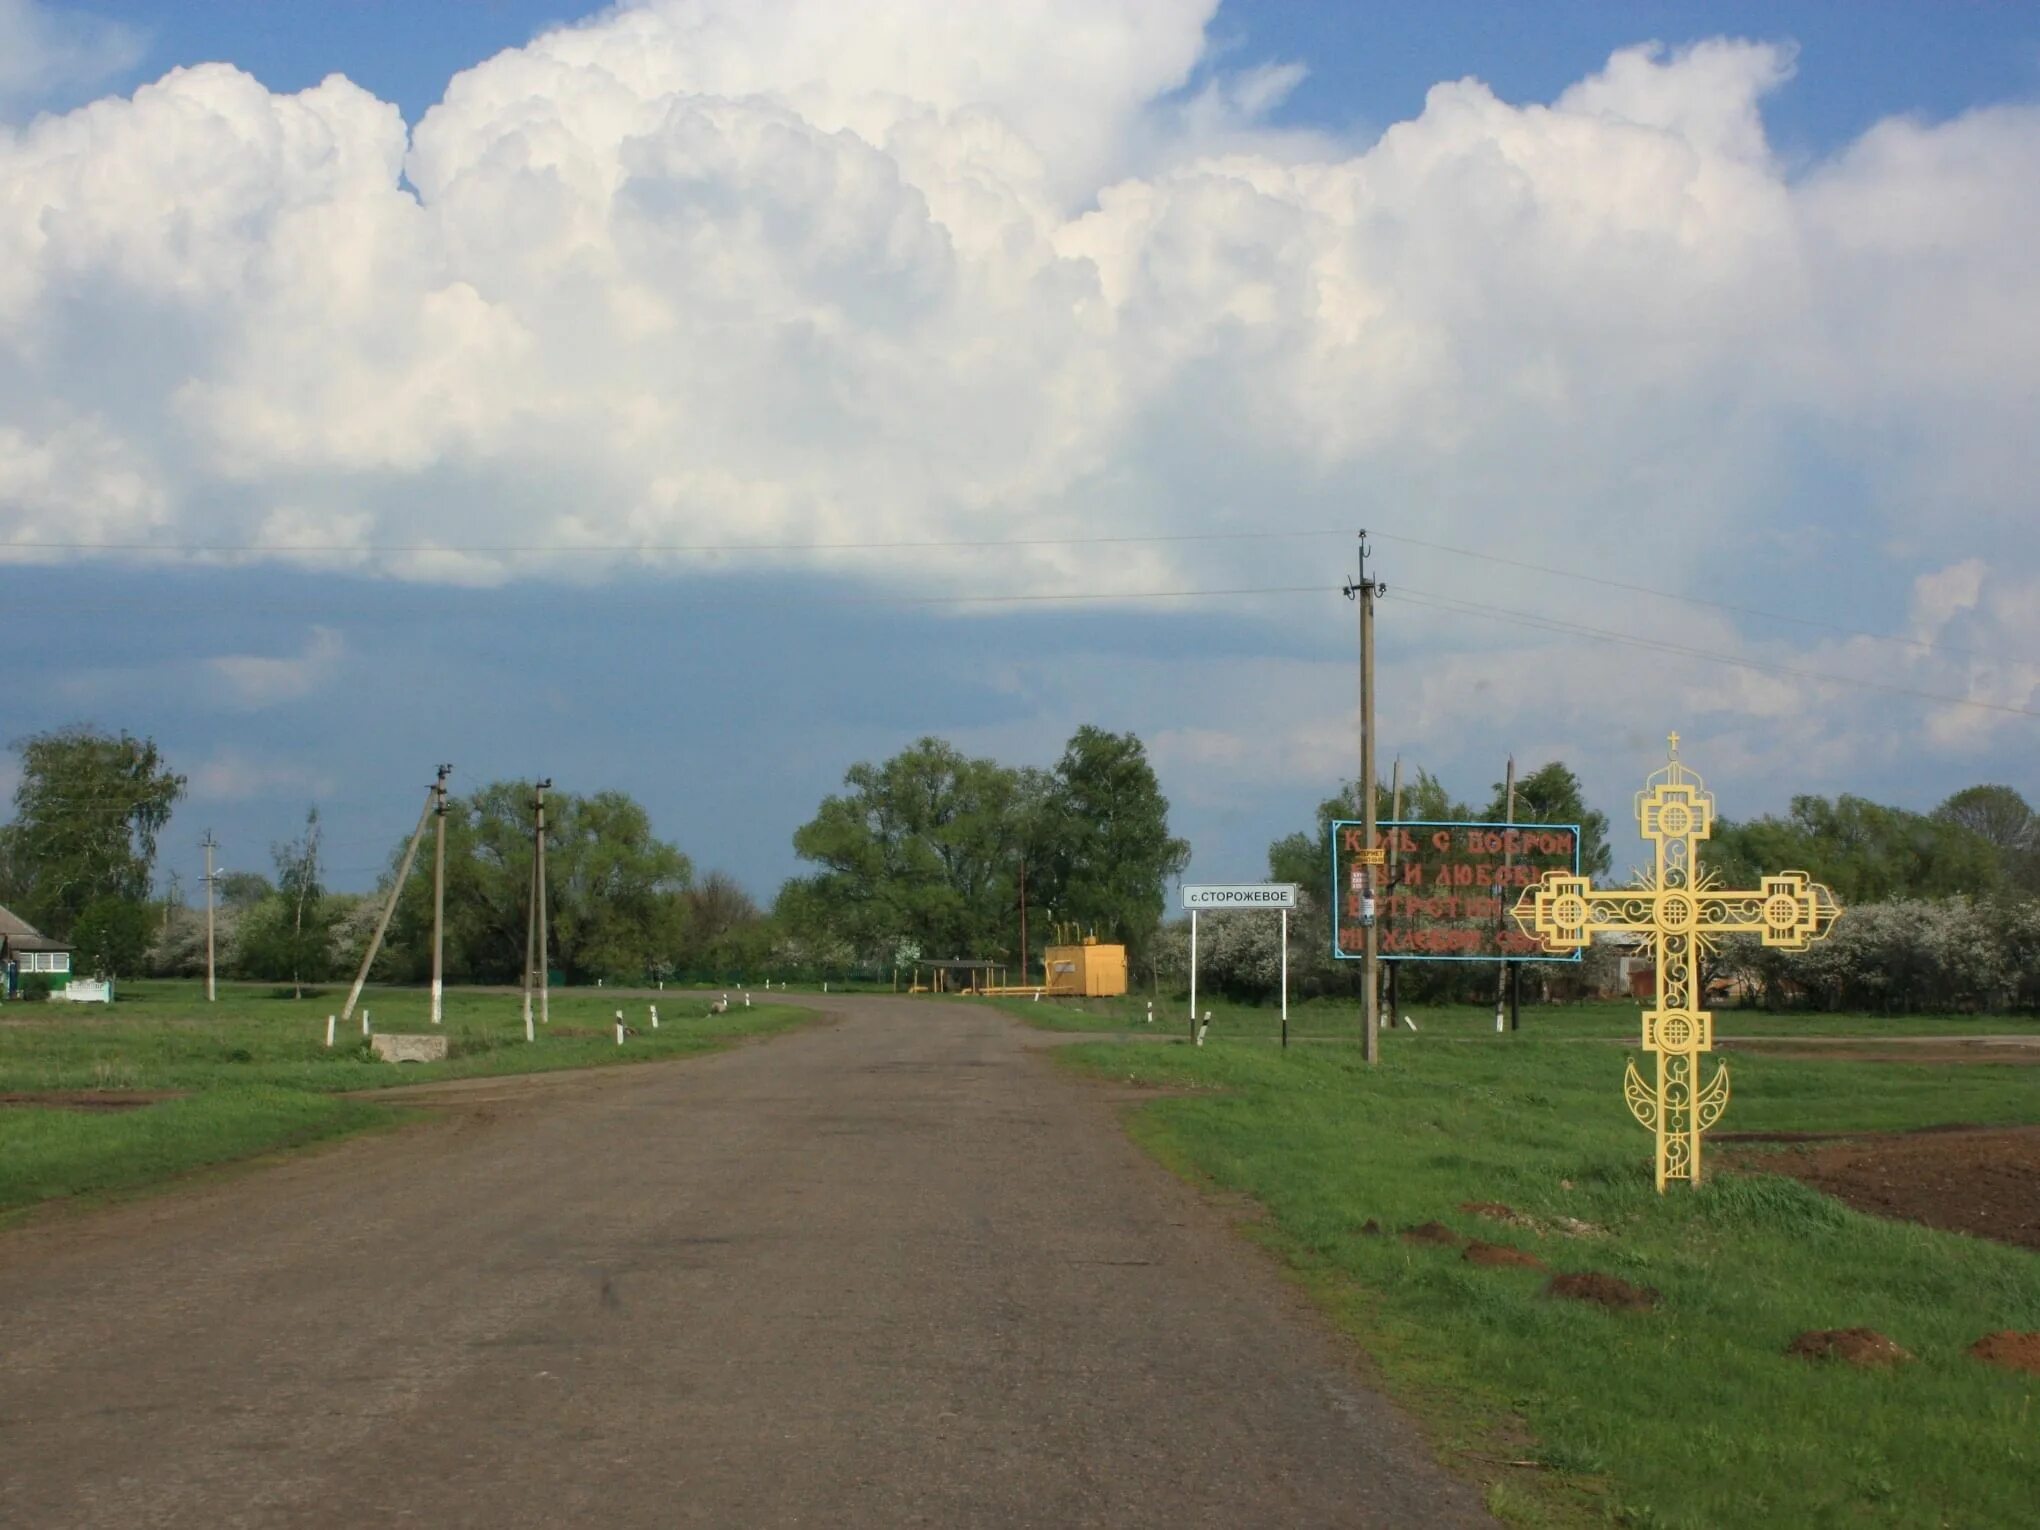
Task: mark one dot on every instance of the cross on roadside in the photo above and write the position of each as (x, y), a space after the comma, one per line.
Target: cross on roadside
(1681, 913)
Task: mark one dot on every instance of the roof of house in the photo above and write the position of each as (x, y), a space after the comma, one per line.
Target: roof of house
(17, 934)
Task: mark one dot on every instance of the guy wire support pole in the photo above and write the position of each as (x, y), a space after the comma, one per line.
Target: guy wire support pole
(439, 896)
(544, 961)
(390, 904)
(1364, 590)
(210, 844)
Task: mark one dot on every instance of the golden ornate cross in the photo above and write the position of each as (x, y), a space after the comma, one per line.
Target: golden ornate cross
(1680, 912)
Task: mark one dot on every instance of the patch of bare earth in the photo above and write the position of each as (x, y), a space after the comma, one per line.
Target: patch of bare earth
(1436, 1234)
(1984, 1181)
(1501, 1255)
(1864, 1348)
(2008, 1347)
(1606, 1290)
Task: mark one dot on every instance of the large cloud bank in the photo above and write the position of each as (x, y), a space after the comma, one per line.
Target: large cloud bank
(728, 271)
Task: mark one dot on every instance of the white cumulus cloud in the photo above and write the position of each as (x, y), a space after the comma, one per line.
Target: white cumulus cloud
(789, 271)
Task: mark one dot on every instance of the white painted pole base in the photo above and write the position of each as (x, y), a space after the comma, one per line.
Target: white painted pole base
(530, 1030)
(438, 1000)
(1498, 1019)
(330, 1021)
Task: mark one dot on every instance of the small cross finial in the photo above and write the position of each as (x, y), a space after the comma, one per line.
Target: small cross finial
(1675, 746)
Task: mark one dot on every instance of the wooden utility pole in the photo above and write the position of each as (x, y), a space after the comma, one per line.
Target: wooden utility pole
(544, 960)
(439, 895)
(210, 844)
(390, 904)
(1502, 895)
(1364, 589)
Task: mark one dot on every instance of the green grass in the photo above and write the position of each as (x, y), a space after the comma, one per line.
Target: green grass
(254, 1073)
(1687, 1416)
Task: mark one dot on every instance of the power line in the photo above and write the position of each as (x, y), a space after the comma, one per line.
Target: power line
(548, 549)
(1660, 645)
(936, 544)
(1691, 600)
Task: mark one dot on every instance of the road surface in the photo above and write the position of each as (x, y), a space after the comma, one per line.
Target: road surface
(891, 1271)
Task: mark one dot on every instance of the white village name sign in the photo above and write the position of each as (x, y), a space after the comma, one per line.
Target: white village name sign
(1230, 897)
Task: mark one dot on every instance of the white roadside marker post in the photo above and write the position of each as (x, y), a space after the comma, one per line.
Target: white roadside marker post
(1204, 1027)
(619, 1027)
(1151, 1012)
(747, 998)
(364, 1022)
(655, 1017)
(329, 1030)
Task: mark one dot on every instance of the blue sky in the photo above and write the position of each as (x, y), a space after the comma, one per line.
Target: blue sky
(1745, 324)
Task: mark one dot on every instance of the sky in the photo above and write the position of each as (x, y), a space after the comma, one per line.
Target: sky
(696, 397)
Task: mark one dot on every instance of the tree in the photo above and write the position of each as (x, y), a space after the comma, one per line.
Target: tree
(722, 931)
(924, 848)
(615, 889)
(1552, 794)
(2003, 819)
(87, 811)
(243, 889)
(292, 934)
(112, 937)
(1106, 831)
(1865, 851)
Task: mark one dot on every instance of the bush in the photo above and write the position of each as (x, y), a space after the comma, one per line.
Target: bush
(35, 987)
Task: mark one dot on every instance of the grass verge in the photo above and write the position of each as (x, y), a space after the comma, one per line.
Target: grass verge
(1688, 1415)
(251, 1073)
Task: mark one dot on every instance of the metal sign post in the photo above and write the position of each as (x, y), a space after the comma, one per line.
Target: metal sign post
(1277, 896)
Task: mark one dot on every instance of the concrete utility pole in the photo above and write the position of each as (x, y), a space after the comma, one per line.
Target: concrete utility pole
(1394, 881)
(1503, 972)
(1364, 590)
(544, 960)
(210, 844)
(530, 938)
(1023, 922)
(390, 904)
(439, 895)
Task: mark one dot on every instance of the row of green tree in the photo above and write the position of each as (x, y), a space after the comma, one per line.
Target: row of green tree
(1964, 877)
(930, 852)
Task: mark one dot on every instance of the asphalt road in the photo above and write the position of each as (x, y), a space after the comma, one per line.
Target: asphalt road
(892, 1271)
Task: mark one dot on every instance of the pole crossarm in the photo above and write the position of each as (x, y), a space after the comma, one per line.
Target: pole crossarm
(1680, 912)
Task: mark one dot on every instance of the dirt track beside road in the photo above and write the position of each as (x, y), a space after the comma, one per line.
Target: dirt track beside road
(891, 1271)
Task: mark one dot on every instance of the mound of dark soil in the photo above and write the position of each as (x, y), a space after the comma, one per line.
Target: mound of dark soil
(1435, 1233)
(1370, 1229)
(1862, 1347)
(1500, 1254)
(1608, 1290)
(2009, 1347)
